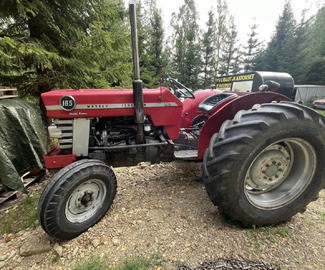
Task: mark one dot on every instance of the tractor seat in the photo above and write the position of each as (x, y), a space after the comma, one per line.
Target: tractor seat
(210, 103)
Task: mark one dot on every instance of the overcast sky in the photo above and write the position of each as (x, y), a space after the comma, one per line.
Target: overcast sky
(265, 12)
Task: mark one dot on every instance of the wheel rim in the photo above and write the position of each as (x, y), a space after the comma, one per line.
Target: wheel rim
(85, 200)
(280, 173)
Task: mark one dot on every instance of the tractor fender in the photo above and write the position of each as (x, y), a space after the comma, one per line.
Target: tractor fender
(228, 111)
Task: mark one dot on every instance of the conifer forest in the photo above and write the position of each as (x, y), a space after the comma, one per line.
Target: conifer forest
(47, 44)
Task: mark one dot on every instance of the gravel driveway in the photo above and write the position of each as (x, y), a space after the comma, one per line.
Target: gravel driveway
(164, 210)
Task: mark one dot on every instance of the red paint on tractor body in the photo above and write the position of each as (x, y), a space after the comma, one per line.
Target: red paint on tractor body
(190, 106)
(160, 104)
(229, 110)
(54, 159)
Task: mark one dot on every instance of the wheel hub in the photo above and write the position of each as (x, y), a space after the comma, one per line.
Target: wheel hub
(86, 198)
(280, 173)
(270, 168)
(85, 201)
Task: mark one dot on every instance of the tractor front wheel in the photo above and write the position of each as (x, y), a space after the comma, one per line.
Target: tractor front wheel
(76, 198)
(266, 164)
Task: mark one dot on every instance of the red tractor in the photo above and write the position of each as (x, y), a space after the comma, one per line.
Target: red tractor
(262, 164)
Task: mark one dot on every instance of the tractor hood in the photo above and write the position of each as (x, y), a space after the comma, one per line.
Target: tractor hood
(70, 103)
(160, 105)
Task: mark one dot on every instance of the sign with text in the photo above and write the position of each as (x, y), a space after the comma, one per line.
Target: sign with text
(227, 81)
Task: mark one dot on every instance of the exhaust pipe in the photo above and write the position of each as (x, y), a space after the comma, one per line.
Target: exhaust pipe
(137, 83)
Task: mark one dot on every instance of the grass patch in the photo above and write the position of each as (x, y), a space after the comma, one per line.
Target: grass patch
(136, 263)
(94, 263)
(323, 215)
(22, 216)
(299, 261)
(322, 112)
(55, 259)
(310, 222)
(267, 233)
(140, 263)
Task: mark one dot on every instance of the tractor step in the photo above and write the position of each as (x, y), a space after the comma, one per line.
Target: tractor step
(186, 154)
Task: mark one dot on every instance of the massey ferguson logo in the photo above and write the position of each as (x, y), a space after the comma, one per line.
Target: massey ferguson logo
(67, 103)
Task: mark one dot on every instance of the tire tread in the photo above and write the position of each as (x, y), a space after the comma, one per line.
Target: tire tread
(228, 150)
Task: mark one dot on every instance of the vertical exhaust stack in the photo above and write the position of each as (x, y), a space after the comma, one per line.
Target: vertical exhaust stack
(137, 83)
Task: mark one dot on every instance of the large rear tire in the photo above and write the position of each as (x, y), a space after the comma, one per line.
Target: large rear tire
(76, 198)
(266, 164)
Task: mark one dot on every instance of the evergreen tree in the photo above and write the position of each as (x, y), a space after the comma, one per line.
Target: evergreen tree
(157, 41)
(231, 55)
(298, 53)
(277, 56)
(47, 44)
(186, 48)
(142, 29)
(151, 41)
(315, 53)
(252, 49)
(208, 51)
(108, 46)
(221, 34)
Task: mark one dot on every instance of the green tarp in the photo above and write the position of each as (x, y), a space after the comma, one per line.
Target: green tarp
(22, 141)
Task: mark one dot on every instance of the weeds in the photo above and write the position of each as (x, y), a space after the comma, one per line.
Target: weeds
(137, 263)
(299, 261)
(21, 216)
(267, 233)
(140, 263)
(310, 222)
(55, 259)
(94, 263)
(323, 215)
(322, 112)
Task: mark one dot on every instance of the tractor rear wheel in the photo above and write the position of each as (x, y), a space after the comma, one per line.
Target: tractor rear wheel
(266, 164)
(76, 198)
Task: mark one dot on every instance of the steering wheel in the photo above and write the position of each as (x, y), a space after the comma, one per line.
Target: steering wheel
(181, 90)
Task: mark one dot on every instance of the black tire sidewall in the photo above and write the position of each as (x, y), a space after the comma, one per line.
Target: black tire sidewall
(74, 228)
(294, 129)
(55, 197)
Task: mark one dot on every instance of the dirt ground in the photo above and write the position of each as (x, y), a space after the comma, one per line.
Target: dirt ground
(164, 210)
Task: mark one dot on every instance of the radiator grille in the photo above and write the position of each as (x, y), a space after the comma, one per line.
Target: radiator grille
(66, 127)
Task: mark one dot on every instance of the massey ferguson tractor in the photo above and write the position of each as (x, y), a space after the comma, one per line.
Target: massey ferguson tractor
(262, 154)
